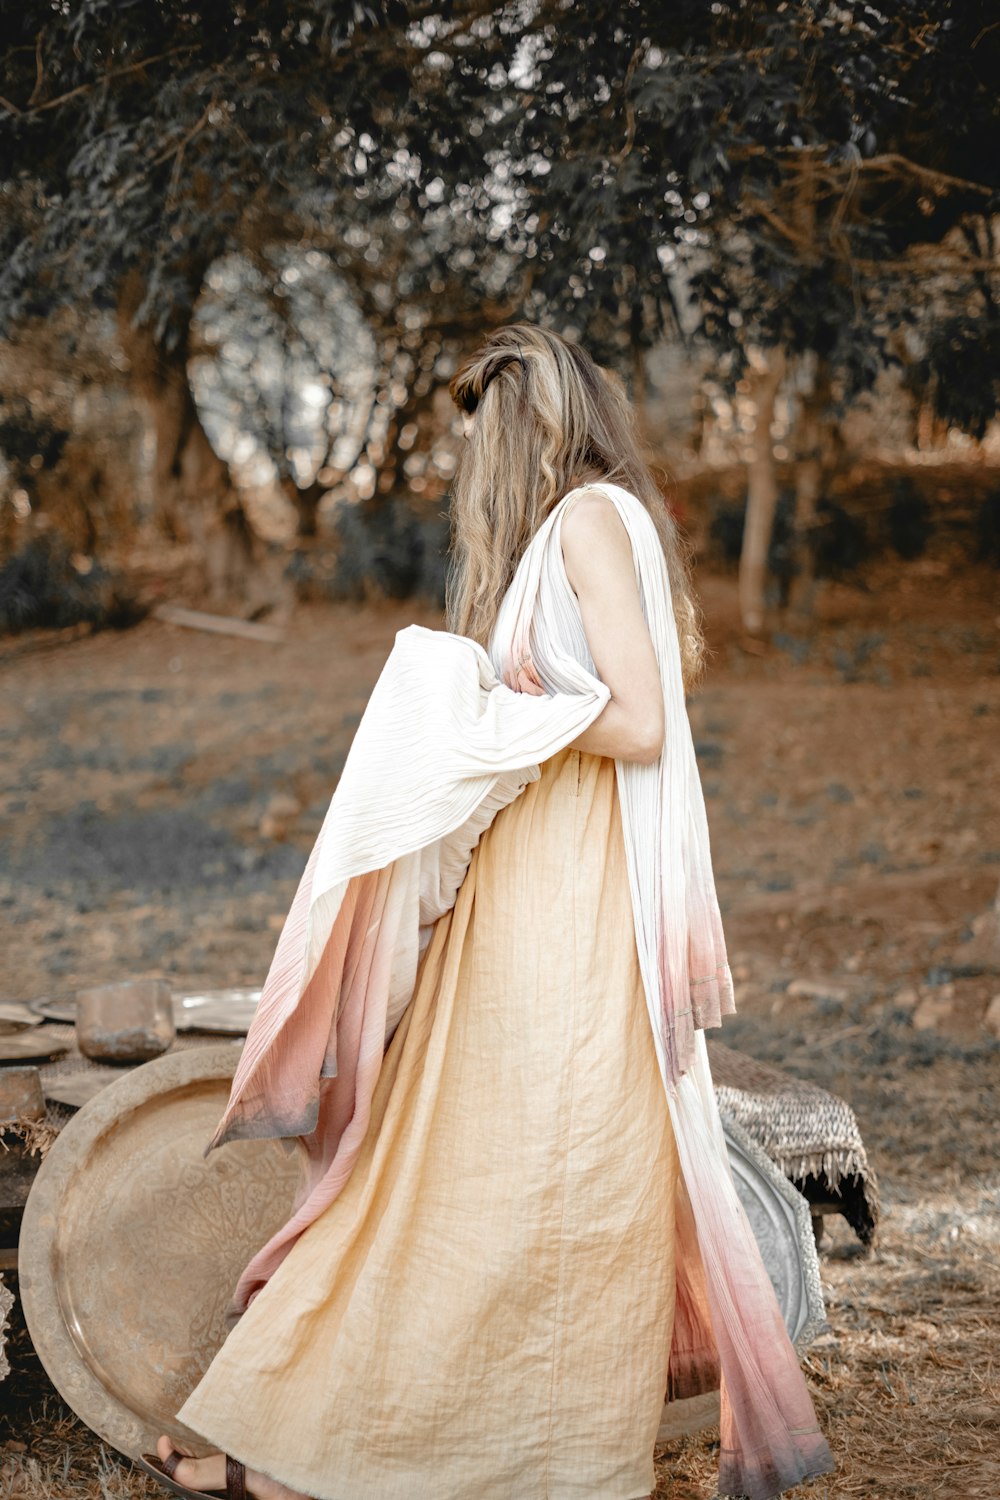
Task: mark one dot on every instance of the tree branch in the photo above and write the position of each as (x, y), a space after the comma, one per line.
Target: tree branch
(39, 69)
(795, 237)
(891, 163)
(85, 88)
(619, 156)
(945, 265)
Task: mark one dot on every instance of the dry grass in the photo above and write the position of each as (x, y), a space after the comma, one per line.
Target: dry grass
(37, 1135)
(883, 733)
(66, 1462)
(907, 1387)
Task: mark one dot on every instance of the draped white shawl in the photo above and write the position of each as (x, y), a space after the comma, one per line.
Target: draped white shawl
(444, 744)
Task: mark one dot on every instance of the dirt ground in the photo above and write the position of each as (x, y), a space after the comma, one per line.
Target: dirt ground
(851, 774)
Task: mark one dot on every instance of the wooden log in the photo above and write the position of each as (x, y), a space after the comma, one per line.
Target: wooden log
(196, 619)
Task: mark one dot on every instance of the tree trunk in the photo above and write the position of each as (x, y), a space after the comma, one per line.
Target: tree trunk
(762, 492)
(810, 454)
(195, 497)
(305, 501)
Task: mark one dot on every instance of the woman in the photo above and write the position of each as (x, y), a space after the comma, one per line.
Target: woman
(478, 1296)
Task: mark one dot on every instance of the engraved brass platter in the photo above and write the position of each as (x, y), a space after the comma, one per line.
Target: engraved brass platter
(132, 1242)
(228, 1012)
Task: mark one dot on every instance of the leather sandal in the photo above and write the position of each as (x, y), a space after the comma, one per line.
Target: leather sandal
(164, 1469)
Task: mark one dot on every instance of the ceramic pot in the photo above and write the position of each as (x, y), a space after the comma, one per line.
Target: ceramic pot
(130, 1022)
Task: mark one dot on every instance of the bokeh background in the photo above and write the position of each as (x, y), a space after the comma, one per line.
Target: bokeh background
(242, 248)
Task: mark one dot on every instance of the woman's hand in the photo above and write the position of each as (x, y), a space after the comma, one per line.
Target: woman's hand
(597, 553)
(526, 678)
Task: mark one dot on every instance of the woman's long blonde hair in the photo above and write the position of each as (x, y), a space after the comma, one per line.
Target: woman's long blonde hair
(547, 419)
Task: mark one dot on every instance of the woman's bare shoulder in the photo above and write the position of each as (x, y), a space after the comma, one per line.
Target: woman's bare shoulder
(591, 516)
(595, 540)
(593, 529)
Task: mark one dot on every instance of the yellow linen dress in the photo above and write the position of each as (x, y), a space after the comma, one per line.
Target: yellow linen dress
(485, 1311)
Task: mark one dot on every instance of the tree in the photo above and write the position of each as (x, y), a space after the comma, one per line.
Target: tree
(149, 141)
(592, 164)
(285, 363)
(787, 164)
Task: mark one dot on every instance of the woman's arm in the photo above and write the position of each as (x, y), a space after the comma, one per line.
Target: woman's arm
(598, 557)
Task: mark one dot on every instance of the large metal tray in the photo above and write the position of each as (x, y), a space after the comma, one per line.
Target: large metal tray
(132, 1242)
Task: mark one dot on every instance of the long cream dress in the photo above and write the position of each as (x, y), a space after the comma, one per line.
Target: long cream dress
(485, 1312)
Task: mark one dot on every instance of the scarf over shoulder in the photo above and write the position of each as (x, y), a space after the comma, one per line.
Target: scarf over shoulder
(444, 744)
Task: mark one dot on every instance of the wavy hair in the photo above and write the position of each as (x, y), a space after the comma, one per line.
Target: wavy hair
(547, 420)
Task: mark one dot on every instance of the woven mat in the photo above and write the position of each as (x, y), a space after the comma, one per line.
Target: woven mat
(811, 1135)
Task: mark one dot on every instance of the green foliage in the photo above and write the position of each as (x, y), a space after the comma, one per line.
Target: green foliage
(29, 442)
(753, 172)
(839, 542)
(961, 369)
(908, 520)
(153, 137)
(988, 529)
(41, 587)
(749, 168)
(401, 554)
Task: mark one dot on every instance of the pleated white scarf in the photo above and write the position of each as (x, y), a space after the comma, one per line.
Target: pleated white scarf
(682, 952)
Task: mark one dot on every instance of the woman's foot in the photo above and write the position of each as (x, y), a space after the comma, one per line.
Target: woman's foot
(210, 1474)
